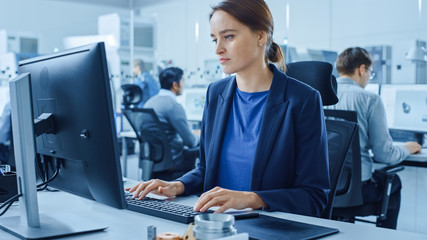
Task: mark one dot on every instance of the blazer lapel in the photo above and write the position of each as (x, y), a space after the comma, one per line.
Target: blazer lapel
(275, 109)
(222, 113)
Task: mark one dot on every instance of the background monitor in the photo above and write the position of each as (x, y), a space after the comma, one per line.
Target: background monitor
(411, 109)
(193, 100)
(74, 86)
(406, 106)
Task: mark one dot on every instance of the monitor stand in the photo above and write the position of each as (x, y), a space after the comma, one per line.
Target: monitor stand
(31, 225)
(51, 226)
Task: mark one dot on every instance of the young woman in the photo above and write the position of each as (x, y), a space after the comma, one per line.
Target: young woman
(263, 140)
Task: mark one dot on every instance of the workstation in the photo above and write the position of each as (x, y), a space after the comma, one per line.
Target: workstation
(143, 30)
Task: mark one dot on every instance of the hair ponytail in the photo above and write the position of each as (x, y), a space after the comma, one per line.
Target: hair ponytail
(275, 55)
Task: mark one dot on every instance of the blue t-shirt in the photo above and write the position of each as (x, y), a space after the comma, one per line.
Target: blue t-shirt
(241, 139)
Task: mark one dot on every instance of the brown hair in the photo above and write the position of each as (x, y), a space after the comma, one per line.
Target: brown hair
(257, 16)
(352, 58)
(140, 64)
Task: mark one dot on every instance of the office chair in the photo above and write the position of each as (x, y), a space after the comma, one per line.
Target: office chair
(348, 203)
(318, 75)
(154, 144)
(132, 95)
(349, 188)
(340, 133)
(156, 154)
(340, 136)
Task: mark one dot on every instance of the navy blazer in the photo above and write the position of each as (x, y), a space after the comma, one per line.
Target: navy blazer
(290, 171)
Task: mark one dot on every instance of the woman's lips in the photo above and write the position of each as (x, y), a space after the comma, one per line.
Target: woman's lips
(223, 60)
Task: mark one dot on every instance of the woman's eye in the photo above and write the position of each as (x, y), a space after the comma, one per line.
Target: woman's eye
(214, 40)
(228, 37)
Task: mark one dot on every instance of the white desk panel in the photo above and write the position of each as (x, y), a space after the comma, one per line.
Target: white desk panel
(124, 224)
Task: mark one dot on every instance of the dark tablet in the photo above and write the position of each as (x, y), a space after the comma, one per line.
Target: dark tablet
(266, 227)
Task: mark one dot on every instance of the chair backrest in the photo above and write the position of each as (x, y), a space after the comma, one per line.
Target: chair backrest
(154, 143)
(349, 187)
(132, 95)
(318, 75)
(340, 137)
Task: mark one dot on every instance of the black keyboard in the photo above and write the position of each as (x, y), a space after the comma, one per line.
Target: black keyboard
(162, 209)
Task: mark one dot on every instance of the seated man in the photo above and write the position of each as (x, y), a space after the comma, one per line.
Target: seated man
(173, 115)
(145, 81)
(354, 66)
(5, 135)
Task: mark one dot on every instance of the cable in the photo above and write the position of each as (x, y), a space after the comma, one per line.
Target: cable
(9, 203)
(44, 184)
(40, 166)
(7, 208)
(40, 187)
(11, 200)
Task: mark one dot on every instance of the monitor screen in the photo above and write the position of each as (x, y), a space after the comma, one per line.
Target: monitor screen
(405, 106)
(74, 86)
(410, 109)
(193, 100)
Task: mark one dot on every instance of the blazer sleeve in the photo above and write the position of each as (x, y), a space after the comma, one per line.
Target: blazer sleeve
(309, 194)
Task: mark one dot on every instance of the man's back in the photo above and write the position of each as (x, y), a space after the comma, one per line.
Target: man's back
(172, 114)
(373, 130)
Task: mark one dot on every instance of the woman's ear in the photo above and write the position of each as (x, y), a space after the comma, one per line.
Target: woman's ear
(262, 38)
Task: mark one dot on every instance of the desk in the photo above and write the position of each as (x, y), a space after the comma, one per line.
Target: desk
(415, 160)
(124, 224)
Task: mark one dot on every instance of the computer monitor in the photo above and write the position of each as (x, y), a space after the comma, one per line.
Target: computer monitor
(73, 86)
(405, 106)
(193, 100)
(410, 109)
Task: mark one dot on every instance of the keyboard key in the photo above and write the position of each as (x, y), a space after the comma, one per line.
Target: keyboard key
(162, 209)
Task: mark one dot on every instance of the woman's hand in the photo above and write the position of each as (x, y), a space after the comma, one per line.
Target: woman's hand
(156, 186)
(225, 199)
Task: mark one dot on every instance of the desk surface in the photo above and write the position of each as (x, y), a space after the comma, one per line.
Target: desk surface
(125, 224)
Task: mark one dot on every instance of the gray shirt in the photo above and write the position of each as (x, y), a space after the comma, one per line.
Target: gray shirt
(176, 126)
(373, 129)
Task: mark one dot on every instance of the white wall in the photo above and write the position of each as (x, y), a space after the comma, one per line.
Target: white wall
(382, 22)
(317, 24)
(51, 20)
(176, 38)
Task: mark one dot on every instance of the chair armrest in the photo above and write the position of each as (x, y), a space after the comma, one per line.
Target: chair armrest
(390, 170)
(193, 149)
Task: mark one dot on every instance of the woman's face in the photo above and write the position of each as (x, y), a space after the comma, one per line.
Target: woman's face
(238, 47)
